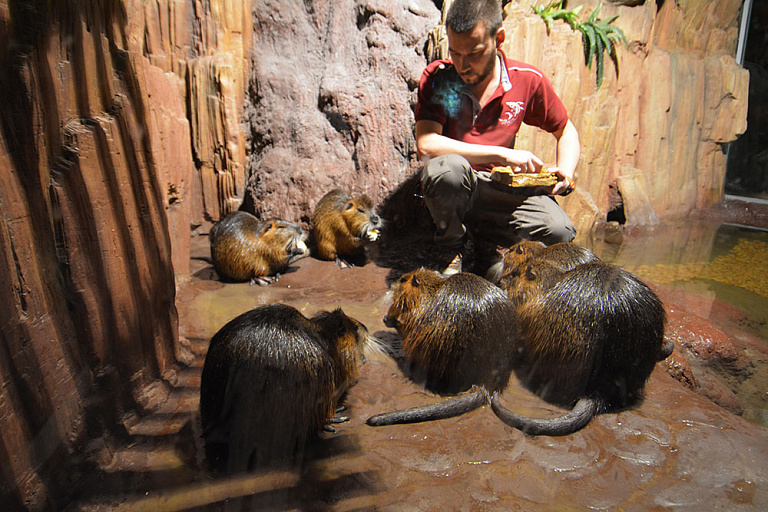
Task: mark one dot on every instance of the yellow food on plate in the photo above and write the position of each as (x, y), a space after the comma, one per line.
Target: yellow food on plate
(515, 178)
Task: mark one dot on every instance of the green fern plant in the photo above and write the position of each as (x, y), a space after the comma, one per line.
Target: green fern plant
(598, 36)
(554, 11)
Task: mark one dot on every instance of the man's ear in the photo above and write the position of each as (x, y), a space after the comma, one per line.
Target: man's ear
(501, 35)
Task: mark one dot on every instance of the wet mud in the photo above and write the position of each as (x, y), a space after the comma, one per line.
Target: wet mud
(676, 450)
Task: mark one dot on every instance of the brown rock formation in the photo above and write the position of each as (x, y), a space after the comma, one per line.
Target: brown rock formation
(120, 130)
(663, 120)
(98, 190)
(330, 100)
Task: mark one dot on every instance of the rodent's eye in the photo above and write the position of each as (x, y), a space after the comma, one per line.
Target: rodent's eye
(361, 210)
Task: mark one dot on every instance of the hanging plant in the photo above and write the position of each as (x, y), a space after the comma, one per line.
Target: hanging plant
(598, 36)
(554, 11)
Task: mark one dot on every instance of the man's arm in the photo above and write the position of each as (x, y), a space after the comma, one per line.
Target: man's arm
(431, 142)
(568, 151)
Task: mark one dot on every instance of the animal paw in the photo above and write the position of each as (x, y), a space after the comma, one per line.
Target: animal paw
(264, 280)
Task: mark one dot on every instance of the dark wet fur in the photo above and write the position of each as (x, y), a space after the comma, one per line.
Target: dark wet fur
(458, 334)
(272, 379)
(244, 248)
(594, 332)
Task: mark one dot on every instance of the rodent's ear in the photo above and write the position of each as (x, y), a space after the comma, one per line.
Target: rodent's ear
(531, 274)
(519, 249)
(268, 225)
(415, 281)
(349, 205)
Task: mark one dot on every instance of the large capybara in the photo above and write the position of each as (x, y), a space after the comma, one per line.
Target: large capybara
(272, 379)
(590, 336)
(459, 332)
(244, 248)
(342, 226)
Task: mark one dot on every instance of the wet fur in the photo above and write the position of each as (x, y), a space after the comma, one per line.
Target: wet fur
(341, 225)
(527, 257)
(458, 332)
(272, 379)
(245, 248)
(590, 335)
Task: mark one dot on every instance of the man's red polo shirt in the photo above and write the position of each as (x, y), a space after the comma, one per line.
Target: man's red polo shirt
(523, 95)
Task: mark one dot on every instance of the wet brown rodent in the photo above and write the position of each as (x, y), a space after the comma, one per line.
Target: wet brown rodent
(272, 379)
(244, 248)
(458, 331)
(533, 256)
(590, 336)
(342, 225)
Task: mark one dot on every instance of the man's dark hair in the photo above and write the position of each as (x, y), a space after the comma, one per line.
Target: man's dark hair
(463, 15)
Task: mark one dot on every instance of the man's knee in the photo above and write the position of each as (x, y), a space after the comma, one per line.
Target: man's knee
(559, 232)
(446, 172)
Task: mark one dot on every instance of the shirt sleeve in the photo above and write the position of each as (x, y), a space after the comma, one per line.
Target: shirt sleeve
(545, 109)
(427, 109)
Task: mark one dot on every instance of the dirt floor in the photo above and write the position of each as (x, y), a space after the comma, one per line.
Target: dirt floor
(676, 450)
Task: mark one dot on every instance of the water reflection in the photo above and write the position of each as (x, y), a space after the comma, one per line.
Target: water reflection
(720, 261)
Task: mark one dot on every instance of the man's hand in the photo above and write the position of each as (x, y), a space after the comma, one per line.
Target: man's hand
(518, 158)
(564, 185)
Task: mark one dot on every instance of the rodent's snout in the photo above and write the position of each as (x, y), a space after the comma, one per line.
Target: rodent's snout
(390, 322)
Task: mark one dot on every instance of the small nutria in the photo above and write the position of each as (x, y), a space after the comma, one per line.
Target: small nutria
(272, 379)
(342, 225)
(590, 336)
(534, 256)
(244, 248)
(458, 331)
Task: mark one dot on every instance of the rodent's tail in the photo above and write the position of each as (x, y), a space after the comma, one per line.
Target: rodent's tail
(454, 406)
(584, 410)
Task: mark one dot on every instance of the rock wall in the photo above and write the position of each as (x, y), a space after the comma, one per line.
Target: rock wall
(332, 86)
(656, 131)
(119, 130)
(329, 99)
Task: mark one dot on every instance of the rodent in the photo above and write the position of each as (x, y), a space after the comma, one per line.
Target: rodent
(244, 248)
(589, 336)
(544, 260)
(342, 225)
(272, 379)
(458, 331)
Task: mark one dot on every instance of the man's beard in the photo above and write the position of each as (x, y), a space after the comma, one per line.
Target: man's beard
(476, 79)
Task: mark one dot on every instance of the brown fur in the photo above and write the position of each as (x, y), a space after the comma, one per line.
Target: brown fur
(529, 266)
(244, 248)
(458, 330)
(272, 379)
(592, 333)
(342, 225)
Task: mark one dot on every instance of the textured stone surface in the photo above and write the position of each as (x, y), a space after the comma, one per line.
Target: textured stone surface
(100, 183)
(678, 97)
(121, 129)
(330, 98)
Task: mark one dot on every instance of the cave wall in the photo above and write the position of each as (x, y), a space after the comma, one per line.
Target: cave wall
(657, 132)
(124, 124)
(120, 131)
(329, 100)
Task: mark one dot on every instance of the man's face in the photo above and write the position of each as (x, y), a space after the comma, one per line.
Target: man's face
(473, 53)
